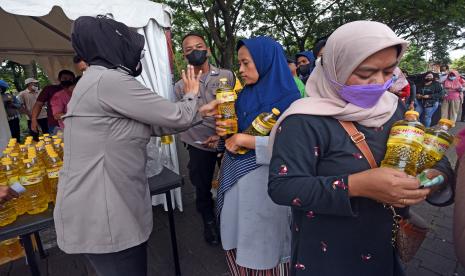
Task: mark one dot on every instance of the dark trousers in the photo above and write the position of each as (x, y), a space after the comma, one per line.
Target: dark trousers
(14, 128)
(132, 261)
(43, 123)
(201, 169)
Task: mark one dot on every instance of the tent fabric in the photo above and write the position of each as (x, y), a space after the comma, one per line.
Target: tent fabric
(41, 31)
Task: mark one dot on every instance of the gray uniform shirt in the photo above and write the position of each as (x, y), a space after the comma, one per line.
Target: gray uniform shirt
(103, 202)
(208, 85)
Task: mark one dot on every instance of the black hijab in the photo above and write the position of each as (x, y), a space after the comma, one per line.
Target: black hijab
(108, 43)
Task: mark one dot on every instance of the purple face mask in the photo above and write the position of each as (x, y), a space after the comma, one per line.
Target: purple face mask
(364, 95)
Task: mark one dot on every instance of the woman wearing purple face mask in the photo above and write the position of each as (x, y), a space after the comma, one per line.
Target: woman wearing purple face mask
(341, 226)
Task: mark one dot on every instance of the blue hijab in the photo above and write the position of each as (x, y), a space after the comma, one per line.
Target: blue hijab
(308, 54)
(275, 87)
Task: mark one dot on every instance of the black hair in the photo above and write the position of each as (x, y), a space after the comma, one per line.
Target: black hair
(65, 72)
(194, 34)
(77, 59)
(318, 46)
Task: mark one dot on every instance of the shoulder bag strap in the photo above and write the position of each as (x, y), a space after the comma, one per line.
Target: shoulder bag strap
(359, 140)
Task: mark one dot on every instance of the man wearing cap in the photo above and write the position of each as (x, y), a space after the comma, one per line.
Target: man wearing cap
(28, 98)
(202, 158)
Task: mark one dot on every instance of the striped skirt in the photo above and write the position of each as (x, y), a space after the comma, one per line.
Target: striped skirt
(236, 270)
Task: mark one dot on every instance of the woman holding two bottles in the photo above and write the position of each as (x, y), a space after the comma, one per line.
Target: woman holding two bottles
(340, 223)
(255, 231)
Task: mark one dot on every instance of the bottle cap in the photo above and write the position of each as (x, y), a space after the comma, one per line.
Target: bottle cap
(22, 146)
(27, 161)
(413, 113)
(14, 154)
(55, 137)
(276, 111)
(46, 135)
(447, 122)
(6, 161)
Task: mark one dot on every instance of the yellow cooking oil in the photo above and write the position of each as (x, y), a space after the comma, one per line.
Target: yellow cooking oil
(12, 248)
(262, 125)
(53, 168)
(405, 144)
(7, 209)
(12, 175)
(437, 142)
(226, 107)
(32, 179)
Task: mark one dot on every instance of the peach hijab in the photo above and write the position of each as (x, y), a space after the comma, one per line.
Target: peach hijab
(347, 47)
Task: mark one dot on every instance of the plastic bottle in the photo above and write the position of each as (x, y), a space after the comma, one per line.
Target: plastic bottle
(12, 175)
(35, 196)
(227, 98)
(7, 209)
(57, 148)
(262, 125)
(53, 168)
(12, 249)
(405, 144)
(437, 142)
(42, 166)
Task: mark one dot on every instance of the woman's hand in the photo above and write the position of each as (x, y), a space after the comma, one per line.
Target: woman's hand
(210, 109)
(240, 140)
(211, 142)
(6, 194)
(221, 126)
(387, 185)
(191, 81)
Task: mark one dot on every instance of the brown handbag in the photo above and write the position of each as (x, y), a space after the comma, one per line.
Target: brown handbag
(408, 234)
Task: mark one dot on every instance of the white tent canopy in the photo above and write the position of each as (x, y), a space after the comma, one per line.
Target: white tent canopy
(40, 31)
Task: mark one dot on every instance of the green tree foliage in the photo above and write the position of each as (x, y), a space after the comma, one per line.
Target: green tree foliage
(435, 25)
(459, 64)
(413, 61)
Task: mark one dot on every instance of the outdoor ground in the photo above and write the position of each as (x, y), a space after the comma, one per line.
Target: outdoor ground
(436, 257)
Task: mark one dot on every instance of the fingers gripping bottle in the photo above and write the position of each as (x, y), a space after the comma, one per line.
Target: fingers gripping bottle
(262, 125)
(226, 108)
(405, 144)
(7, 209)
(437, 142)
(35, 196)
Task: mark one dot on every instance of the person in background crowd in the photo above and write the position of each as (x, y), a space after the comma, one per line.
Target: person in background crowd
(318, 48)
(103, 208)
(80, 64)
(255, 232)
(428, 97)
(400, 87)
(459, 214)
(12, 108)
(60, 102)
(444, 72)
(410, 101)
(65, 77)
(454, 86)
(28, 98)
(305, 62)
(298, 82)
(202, 159)
(341, 225)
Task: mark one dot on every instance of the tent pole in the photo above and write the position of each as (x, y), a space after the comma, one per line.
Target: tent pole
(50, 27)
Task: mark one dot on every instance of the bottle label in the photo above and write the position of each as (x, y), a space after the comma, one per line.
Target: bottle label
(226, 96)
(407, 133)
(52, 173)
(436, 144)
(260, 127)
(31, 179)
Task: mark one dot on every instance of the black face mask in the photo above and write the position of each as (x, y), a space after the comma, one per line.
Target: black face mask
(197, 57)
(428, 80)
(66, 83)
(304, 70)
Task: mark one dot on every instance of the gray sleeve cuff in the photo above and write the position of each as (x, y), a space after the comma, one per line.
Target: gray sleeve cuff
(261, 150)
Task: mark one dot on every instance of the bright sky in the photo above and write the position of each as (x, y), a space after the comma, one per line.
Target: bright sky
(457, 54)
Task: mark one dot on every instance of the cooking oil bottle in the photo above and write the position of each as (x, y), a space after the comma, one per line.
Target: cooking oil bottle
(11, 249)
(227, 98)
(53, 168)
(437, 142)
(12, 175)
(262, 125)
(405, 144)
(7, 209)
(35, 196)
(57, 148)
(41, 165)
